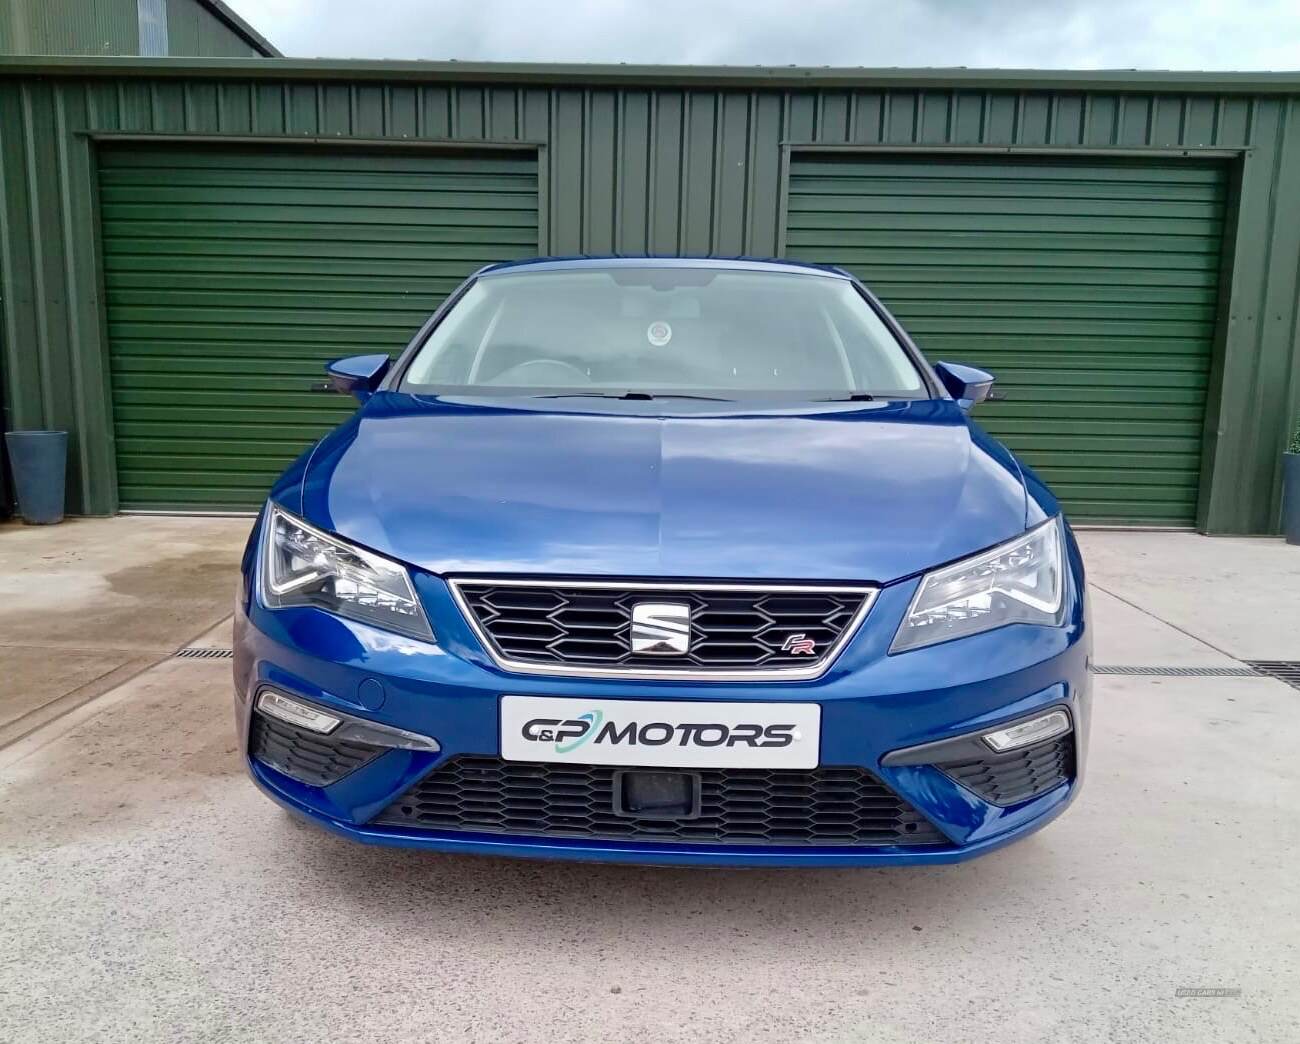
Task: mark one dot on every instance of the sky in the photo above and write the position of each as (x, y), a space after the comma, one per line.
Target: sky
(1045, 34)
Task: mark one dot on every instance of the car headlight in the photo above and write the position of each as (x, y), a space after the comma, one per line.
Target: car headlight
(301, 565)
(1021, 581)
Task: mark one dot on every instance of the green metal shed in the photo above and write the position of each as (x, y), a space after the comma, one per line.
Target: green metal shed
(182, 244)
(195, 28)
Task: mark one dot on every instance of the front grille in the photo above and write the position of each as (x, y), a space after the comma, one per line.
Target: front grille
(1018, 775)
(303, 755)
(569, 627)
(824, 806)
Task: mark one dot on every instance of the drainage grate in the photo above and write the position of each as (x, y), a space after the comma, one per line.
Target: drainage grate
(199, 653)
(1177, 672)
(1283, 670)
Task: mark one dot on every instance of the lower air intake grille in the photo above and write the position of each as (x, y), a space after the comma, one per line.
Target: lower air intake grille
(824, 806)
(1005, 779)
(306, 756)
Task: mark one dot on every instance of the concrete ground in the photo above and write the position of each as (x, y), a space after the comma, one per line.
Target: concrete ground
(148, 892)
(92, 602)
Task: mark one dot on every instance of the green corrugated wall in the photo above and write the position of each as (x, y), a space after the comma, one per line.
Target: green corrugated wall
(111, 27)
(637, 163)
(194, 30)
(69, 27)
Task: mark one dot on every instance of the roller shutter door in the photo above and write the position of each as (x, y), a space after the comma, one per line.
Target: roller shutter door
(1089, 288)
(232, 276)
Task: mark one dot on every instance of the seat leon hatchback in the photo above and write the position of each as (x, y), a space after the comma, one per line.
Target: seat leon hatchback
(668, 561)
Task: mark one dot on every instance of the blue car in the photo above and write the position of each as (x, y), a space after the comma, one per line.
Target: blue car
(664, 561)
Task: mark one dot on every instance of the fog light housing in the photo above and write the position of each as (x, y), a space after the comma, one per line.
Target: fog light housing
(295, 712)
(1035, 730)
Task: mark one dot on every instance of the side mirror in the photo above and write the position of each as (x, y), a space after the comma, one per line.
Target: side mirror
(358, 375)
(965, 383)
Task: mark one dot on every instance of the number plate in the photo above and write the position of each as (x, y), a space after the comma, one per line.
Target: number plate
(669, 734)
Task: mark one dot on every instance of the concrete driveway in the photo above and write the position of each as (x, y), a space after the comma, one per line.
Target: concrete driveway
(90, 603)
(149, 893)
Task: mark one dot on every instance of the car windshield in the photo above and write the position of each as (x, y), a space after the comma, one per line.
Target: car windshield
(708, 332)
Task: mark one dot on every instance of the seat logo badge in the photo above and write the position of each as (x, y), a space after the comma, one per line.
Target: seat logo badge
(799, 645)
(661, 628)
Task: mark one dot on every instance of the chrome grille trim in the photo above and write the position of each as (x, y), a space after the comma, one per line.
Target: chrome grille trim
(867, 592)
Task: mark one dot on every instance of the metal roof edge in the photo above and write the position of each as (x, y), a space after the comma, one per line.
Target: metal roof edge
(719, 76)
(223, 13)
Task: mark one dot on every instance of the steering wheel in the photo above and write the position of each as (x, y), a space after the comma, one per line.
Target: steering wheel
(541, 373)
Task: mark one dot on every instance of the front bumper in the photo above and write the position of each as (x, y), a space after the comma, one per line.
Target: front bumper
(873, 706)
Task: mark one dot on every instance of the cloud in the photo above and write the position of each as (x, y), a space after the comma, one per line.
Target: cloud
(1064, 34)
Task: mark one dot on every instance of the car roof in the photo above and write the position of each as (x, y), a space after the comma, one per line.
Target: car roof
(746, 264)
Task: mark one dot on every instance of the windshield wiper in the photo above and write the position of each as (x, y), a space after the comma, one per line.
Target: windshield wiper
(851, 397)
(635, 395)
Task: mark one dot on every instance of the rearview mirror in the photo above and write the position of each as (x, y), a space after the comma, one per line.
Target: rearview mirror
(965, 383)
(358, 375)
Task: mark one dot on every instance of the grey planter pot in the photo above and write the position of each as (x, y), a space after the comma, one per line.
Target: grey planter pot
(1291, 497)
(39, 460)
